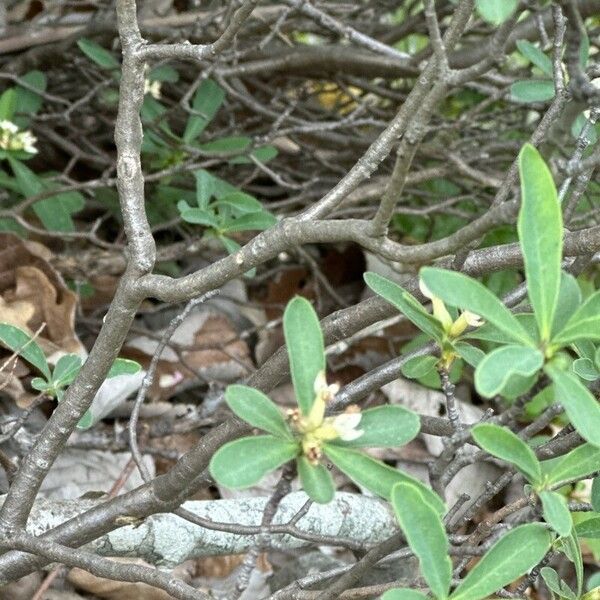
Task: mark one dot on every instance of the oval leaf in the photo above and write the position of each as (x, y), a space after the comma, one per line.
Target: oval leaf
(406, 303)
(556, 512)
(251, 222)
(540, 234)
(535, 56)
(306, 349)
(590, 528)
(66, 369)
(426, 535)
(316, 481)
(496, 11)
(576, 464)
(256, 409)
(596, 492)
(24, 345)
(500, 367)
(584, 324)
(532, 90)
(504, 444)
(376, 476)
(510, 557)
(581, 407)
(244, 462)
(385, 427)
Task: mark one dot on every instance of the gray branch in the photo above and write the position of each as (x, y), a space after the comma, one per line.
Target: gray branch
(166, 539)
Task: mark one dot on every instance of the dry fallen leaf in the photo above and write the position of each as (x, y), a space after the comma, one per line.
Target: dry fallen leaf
(120, 590)
(34, 296)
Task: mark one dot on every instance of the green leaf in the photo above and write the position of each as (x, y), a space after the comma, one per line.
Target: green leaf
(56, 211)
(556, 512)
(490, 333)
(596, 491)
(263, 154)
(205, 187)
(37, 383)
(584, 324)
(569, 300)
(586, 369)
(556, 584)
(385, 427)
(207, 100)
(29, 183)
(532, 90)
(419, 366)
(504, 444)
(376, 476)
(576, 464)
(470, 354)
(227, 145)
(8, 104)
(256, 409)
(244, 462)
(496, 11)
(124, 366)
(24, 345)
(572, 549)
(316, 481)
(464, 292)
(28, 103)
(197, 216)
(513, 555)
(406, 303)
(306, 349)
(426, 535)
(535, 56)
(66, 370)
(98, 54)
(243, 203)
(540, 235)
(581, 407)
(590, 528)
(403, 594)
(251, 222)
(500, 367)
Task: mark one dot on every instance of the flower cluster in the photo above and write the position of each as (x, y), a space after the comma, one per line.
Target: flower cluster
(13, 139)
(152, 88)
(316, 428)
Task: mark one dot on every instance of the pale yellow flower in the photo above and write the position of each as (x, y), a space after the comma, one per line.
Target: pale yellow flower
(315, 429)
(440, 312)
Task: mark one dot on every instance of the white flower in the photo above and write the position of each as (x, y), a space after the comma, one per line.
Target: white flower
(472, 319)
(28, 140)
(346, 424)
(13, 139)
(152, 88)
(8, 126)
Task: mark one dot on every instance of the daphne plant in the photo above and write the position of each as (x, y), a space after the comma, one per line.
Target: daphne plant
(307, 434)
(554, 334)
